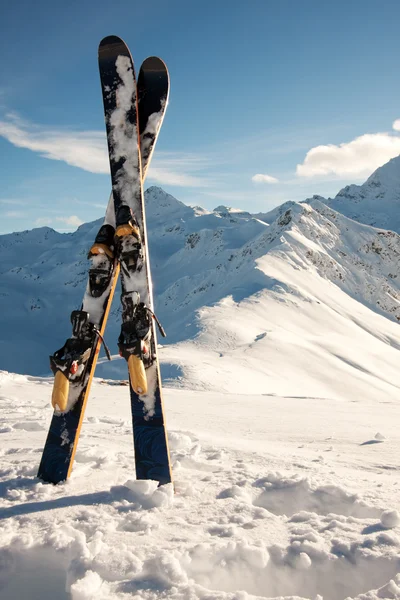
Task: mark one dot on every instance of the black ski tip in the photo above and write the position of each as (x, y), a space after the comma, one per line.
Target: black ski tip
(153, 83)
(111, 46)
(154, 63)
(110, 40)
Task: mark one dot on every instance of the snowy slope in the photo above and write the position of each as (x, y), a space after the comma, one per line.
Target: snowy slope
(377, 201)
(282, 404)
(275, 213)
(310, 325)
(44, 274)
(198, 259)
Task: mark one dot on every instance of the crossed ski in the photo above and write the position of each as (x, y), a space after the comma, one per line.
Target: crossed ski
(120, 247)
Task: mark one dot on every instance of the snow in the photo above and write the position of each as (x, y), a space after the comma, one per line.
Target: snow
(123, 134)
(152, 128)
(390, 519)
(198, 260)
(377, 201)
(284, 500)
(281, 394)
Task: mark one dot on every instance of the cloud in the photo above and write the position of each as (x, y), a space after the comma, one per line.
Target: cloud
(72, 220)
(101, 205)
(180, 169)
(13, 214)
(396, 125)
(260, 178)
(359, 157)
(12, 201)
(42, 221)
(84, 149)
(87, 150)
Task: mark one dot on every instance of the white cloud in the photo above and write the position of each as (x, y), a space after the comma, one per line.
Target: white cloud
(360, 157)
(180, 169)
(88, 150)
(396, 125)
(13, 214)
(260, 178)
(12, 201)
(72, 220)
(101, 205)
(43, 221)
(165, 176)
(84, 149)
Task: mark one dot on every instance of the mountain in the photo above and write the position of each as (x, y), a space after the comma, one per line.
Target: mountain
(44, 275)
(275, 213)
(310, 304)
(199, 259)
(281, 392)
(376, 202)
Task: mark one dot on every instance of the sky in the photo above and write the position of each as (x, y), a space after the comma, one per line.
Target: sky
(269, 101)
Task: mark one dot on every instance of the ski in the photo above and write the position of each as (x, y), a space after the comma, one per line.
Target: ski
(137, 341)
(74, 364)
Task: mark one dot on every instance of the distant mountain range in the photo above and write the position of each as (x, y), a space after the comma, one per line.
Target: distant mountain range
(376, 202)
(202, 258)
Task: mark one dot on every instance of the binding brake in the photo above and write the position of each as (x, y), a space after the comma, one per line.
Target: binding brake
(135, 340)
(69, 362)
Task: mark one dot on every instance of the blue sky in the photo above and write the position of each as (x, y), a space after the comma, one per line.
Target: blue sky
(270, 101)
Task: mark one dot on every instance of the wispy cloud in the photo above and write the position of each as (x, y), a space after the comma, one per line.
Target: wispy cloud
(260, 178)
(12, 201)
(359, 157)
(88, 150)
(13, 214)
(73, 220)
(101, 205)
(43, 221)
(84, 149)
(180, 169)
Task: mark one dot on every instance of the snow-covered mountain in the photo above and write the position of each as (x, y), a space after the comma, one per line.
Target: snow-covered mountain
(281, 392)
(376, 202)
(199, 258)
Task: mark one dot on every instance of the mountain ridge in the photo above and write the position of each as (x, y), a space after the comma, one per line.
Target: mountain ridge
(376, 202)
(198, 259)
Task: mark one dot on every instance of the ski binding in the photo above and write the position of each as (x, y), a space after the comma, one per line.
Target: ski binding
(69, 362)
(135, 340)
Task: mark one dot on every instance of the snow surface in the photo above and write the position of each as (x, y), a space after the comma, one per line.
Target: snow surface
(276, 496)
(281, 381)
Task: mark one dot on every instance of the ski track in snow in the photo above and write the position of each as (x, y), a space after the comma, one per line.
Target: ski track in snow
(300, 519)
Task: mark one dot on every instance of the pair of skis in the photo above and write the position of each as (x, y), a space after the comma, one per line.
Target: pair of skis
(133, 116)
